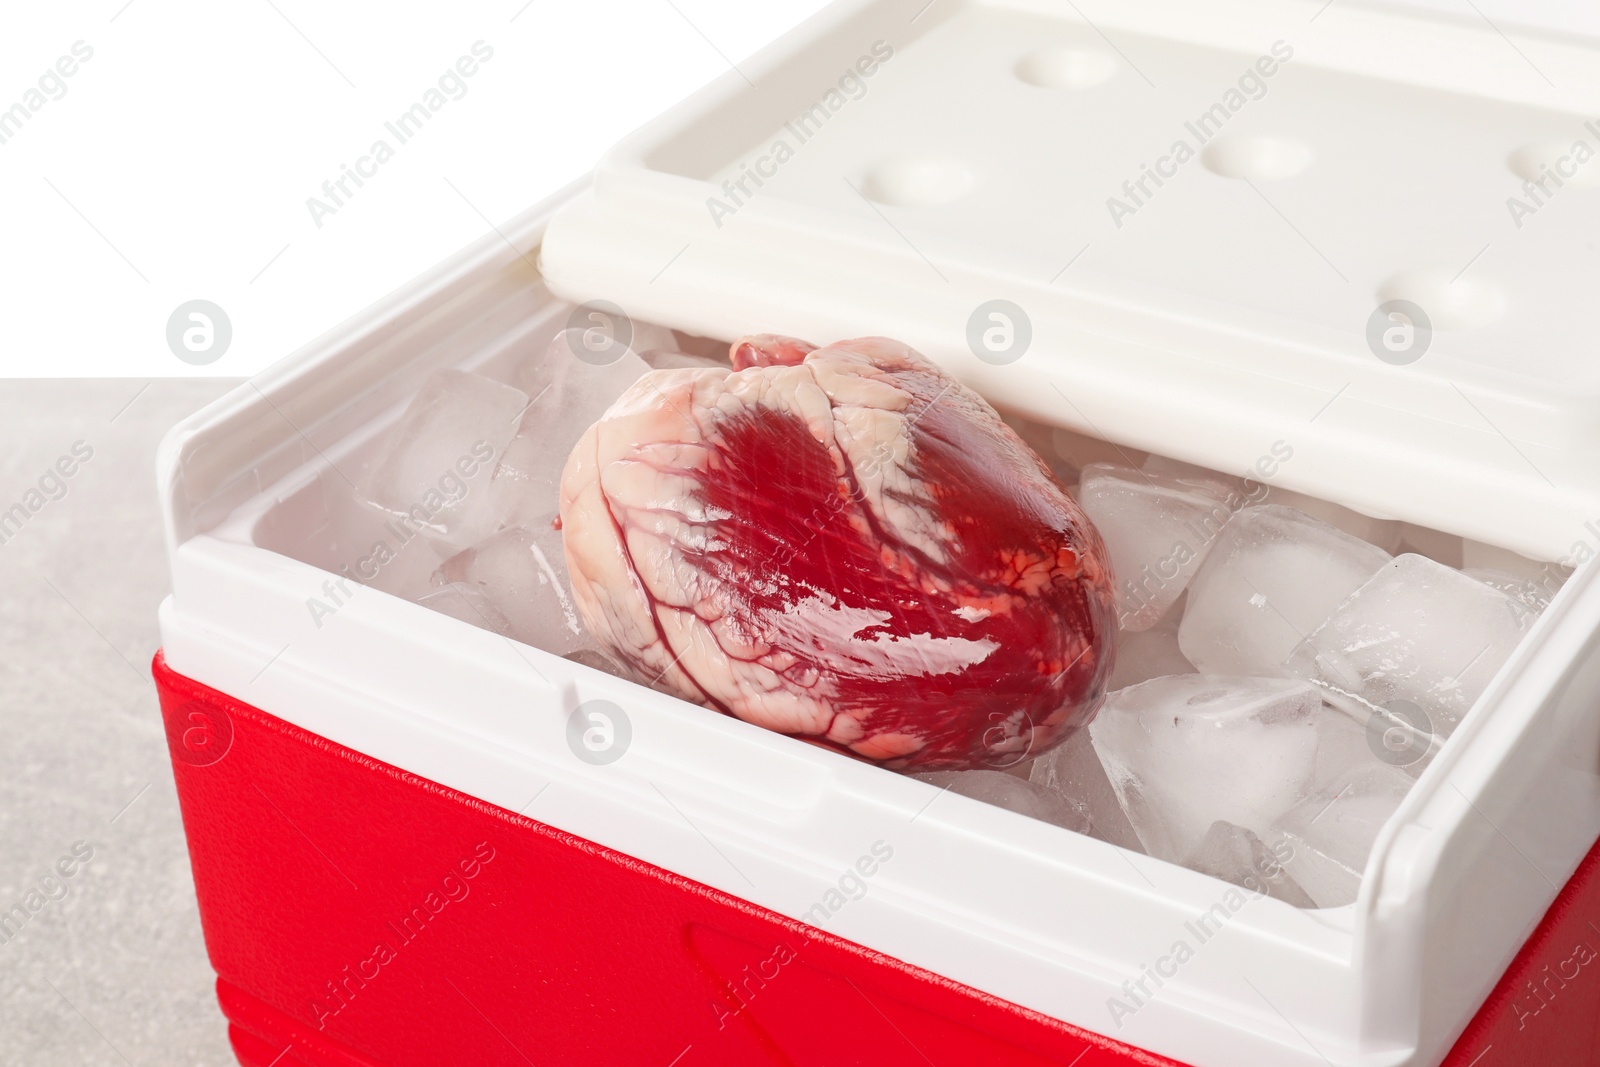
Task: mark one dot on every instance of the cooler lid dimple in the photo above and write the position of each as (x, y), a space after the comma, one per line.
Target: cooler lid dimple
(1360, 234)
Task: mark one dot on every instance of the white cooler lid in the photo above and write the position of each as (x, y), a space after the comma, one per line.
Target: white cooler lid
(896, 165)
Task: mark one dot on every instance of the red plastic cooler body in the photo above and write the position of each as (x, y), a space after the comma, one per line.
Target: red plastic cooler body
(357, 915)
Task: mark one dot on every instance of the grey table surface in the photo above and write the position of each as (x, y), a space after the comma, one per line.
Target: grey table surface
(110, 967)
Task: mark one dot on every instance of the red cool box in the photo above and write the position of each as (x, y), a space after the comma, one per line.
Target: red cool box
(407, 853)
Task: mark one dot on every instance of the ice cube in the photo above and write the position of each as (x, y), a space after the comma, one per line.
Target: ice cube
(367, 545)
(522, 574)
(1272, 577)
(1417, 632)
(1527, 580)
(1439, 547)
(1152, 653)
(1012, 793)
(1157, 528)
(401, 562)
(442, 453)
(1224, 487)
(599, 336)
(1534, 596)
(1342, 745)
(1236, 855)
(1185, 751)
(1073, 770)
(570, 372)
(567, 394)
(1385, 533)
(1324, 842)
(527, 482)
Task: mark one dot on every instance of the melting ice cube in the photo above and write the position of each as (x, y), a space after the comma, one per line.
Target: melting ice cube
(1418, 632)
(1073, 770)
(567, 393)
(522, 574)
(1158, 527)
(1152, 653)
(570, 370)
(1325, 841)
(1236, 855)
(1012, 793)
(1204, 480)
(364, 543)
(1385, 533)
(406, 568)
(1534, 596)
(1272, 577)
(1342, 745)
(1527, 581)
(527, 483)
(1185, 751)
(435, 474)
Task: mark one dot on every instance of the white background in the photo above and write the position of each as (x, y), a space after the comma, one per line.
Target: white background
(178, 163)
